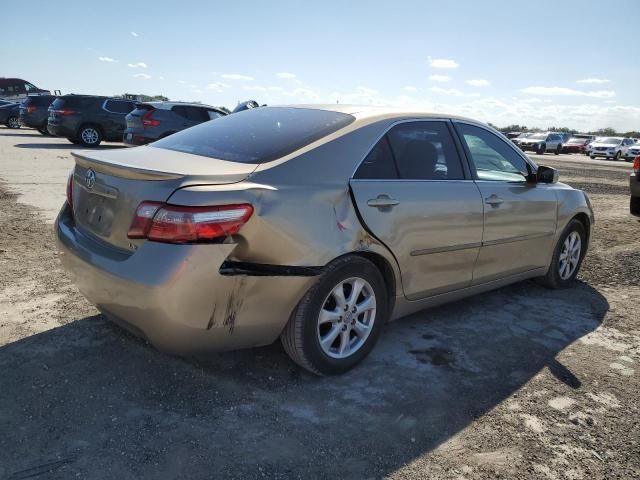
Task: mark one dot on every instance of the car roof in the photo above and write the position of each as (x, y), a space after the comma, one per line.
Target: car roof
(167, 105)
(371, 113)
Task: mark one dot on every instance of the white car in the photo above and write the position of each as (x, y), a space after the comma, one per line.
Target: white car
(611, 147)
(633, 151)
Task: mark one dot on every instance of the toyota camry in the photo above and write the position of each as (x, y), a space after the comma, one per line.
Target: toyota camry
(312, 224)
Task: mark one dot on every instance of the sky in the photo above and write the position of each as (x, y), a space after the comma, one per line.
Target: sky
(539, 63)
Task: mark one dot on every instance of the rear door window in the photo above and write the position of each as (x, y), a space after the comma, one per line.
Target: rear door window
(379, 164)
(119, 106)
(213, 114)
(257, 135)
(197, 114)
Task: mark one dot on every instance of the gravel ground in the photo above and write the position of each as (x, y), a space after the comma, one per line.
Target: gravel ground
(522, 382)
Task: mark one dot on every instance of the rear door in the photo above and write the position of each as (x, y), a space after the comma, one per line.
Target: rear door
(414, 195)
(116, 111)
(519, 217)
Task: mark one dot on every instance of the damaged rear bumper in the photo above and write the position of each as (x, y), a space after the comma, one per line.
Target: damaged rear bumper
(176, 296)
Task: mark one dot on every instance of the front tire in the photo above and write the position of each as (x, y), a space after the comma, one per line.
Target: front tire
(617, 156)
(558, 148)
(541, 149)
(339, 319)
(89, 136)
(567, 256)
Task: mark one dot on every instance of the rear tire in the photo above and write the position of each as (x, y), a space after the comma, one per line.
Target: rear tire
(617, 156)
(567, 256)
(13, 122)
(89, 136)
(318, 336)
(558, 148)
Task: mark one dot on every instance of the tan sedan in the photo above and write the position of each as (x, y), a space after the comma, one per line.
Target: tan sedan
(315, 224)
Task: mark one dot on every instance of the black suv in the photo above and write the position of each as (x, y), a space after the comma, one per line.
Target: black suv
(154, 120)
(89, 120)
(34, 113)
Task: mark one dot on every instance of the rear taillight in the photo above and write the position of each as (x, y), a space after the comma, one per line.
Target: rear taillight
(147, 121)
(636, 165)
(70, 189)
(160, 222)
(64, 112)
(31, 108)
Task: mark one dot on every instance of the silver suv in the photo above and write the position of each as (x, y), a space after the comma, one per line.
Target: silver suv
(541, 143)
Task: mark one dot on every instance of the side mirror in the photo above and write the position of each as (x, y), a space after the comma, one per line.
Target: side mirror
(546, 175)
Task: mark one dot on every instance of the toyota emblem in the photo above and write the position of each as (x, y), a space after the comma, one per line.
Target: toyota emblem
(90, 178)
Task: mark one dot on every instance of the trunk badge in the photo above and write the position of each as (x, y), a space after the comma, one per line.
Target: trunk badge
(90, 179)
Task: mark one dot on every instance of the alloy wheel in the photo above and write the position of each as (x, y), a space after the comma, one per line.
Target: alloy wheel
(346, 318)
(13, 122)
(89, 135)
(570, 255)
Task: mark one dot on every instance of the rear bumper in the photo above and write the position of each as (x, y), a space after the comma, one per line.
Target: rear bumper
(61, 130)
(136, 137)
(174, 295)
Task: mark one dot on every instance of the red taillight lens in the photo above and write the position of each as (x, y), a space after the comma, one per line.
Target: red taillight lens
(636, 165)
(147, 121)
(70, 189)
(177, 224)
(64, 112)
(31, 108)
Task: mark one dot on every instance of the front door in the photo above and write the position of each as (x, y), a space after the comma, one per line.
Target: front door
(414, 196)
(519, 217)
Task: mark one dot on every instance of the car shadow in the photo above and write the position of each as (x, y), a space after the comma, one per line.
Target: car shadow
(62, 146)
(89, 399)
(38, 135)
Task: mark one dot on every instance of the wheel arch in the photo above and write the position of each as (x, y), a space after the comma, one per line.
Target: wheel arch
(389, 274)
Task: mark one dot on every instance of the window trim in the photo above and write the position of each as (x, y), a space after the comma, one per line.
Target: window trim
(466, 171)
(474, 173)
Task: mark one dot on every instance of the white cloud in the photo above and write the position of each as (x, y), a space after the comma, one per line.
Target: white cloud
(141, 75)
(106, 59)
(366, 90)
(134, 34)
(594, 80)
(453, 92)
(479, 82)
(568, 92)
(236, 76)
(137, 65)
(286, 75)
(439, 78)
(410, 88)
(442, 63)
(218, 86)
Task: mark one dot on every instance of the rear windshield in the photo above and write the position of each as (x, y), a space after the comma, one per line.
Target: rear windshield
(38, 100)
(257, 135)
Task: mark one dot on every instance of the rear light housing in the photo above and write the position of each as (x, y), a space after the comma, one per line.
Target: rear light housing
(70, 189)
(636, 165)
(147, 121)
(31, 108)
(160, 222)
(64, 112)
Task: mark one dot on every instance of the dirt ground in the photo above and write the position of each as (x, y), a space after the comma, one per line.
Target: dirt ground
(520, 383)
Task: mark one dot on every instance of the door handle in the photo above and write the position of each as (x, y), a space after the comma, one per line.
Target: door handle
(493, 200)
(383, 201)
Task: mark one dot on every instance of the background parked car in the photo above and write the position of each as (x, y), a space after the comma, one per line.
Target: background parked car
(633, 151)
(541, 143)
(10, 115)
(17, 89)
(34, 112)
(6, 102)
(575, 145)
(151, 121)
(611, 147)
(517, 139)
(89, 120)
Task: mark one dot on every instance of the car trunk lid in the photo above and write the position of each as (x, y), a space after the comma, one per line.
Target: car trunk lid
(109, 185)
